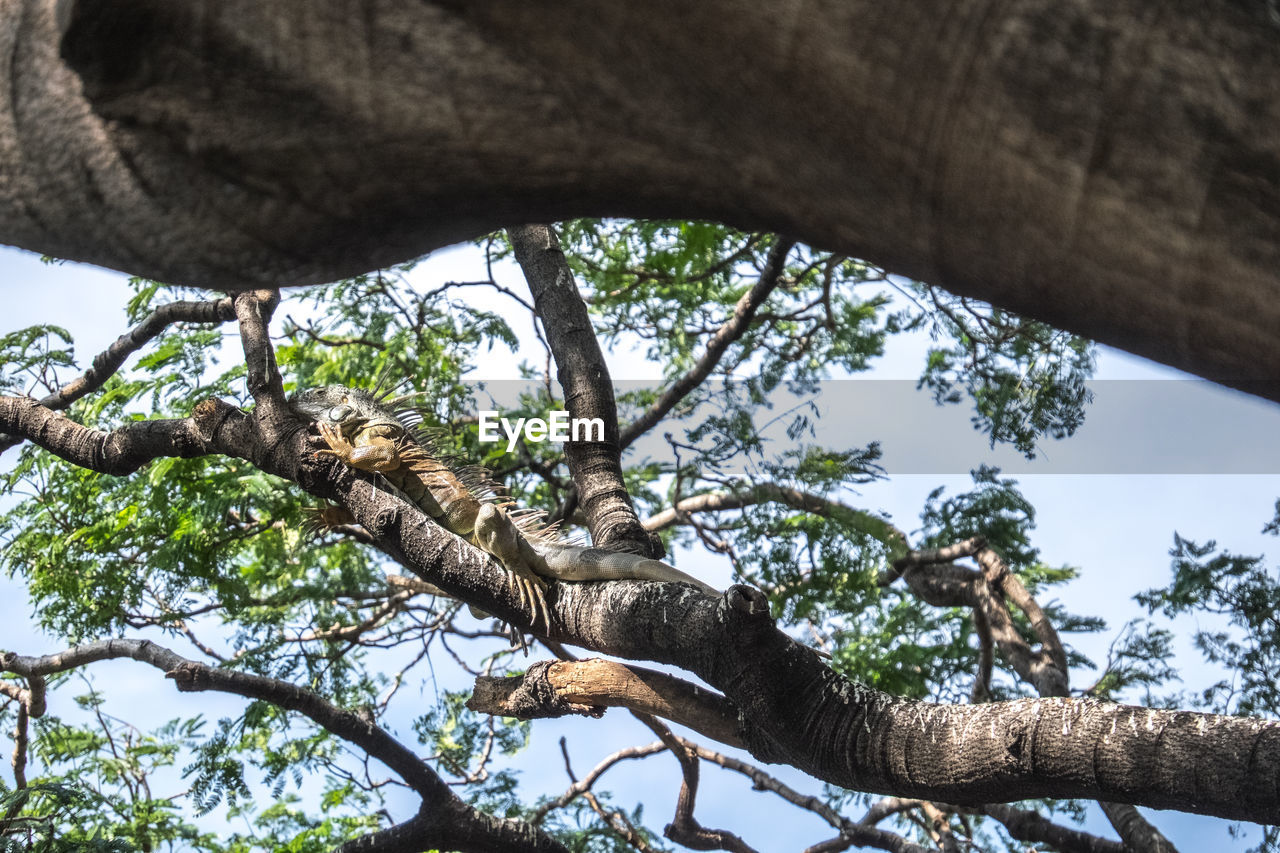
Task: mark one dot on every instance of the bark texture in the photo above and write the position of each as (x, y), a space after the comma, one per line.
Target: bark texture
(1110, 166)
(596, 466)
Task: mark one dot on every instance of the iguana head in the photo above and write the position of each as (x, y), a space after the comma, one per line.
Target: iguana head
(349, 410)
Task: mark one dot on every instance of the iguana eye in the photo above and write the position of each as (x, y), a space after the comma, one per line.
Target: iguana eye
(338, 413)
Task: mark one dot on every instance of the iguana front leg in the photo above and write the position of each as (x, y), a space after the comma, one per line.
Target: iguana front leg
(497, 534)
(375, 453)
(494, 532)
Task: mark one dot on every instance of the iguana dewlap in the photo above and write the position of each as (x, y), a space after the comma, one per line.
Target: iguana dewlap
(370, 434)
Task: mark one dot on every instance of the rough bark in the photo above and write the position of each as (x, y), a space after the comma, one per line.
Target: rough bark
(989, 593)
(1110, 166)
(107, 362)
(1137, 832)
(933, 576)
(119, 452)
(558, 688)
(596, 466)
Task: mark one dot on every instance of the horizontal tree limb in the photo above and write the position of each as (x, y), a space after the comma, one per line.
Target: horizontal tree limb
(120, 451)
(794, 707)
(107, 362)
(555, 688)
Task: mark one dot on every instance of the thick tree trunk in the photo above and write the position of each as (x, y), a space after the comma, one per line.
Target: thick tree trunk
(1110, 166)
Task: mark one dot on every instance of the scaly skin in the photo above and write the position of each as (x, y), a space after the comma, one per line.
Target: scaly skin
(367, 435)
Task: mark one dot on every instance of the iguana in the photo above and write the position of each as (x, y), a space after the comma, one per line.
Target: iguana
(377, 434)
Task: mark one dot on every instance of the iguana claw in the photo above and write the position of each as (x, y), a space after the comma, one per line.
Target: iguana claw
(375, 453)
(532, 592)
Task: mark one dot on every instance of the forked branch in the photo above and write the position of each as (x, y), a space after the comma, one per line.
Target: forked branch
(107, 362)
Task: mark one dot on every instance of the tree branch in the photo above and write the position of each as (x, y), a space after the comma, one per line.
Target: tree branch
(936, 580)
(253, 310)
(556, 688)
(596, 466)
(997, 574)
(684, 828)
(19, 760)
(759, 493)
(578, 788)
(1165, 209)
(793, 707)
(732, 329)
(1138, 833)
(862, 833)
(1026, 825)
(119, 451)
(107, 362)
(443, 821)
(1045, 747)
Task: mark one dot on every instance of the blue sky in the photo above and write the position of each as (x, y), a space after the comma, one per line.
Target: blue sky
(1154, 457)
